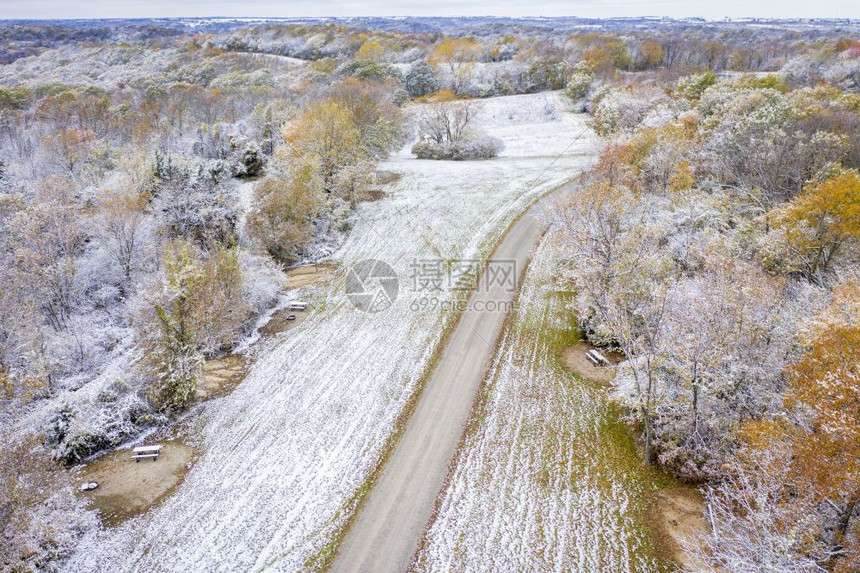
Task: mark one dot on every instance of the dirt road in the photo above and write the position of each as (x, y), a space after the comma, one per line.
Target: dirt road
(387, 531)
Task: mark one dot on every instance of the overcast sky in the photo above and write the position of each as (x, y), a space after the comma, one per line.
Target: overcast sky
(713, 9)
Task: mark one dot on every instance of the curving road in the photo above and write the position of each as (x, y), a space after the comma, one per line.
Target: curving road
(390, 526)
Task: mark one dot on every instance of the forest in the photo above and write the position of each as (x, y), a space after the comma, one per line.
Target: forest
(157, 181)
(716, 245)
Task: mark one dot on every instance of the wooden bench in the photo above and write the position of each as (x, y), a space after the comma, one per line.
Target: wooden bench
(143, 452)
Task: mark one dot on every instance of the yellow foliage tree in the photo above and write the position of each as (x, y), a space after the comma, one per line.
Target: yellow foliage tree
(319, 142)
(457, 56)
(371, 50)
(281, 219)
(819, 222)
(71, 146)
(652, 54)
(201, 310)
(682, 178)
(826, 383)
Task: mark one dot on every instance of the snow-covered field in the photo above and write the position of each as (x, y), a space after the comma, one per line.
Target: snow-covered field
(549, 479)
(286, 451)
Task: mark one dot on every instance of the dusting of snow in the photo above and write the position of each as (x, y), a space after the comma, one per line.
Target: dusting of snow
(534, 487)
(286, 451)
(245, 196)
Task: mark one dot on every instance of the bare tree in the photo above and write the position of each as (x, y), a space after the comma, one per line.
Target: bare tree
(753, 528)
(624, 285)
(447, 121)
(48, 238)
(123, 219)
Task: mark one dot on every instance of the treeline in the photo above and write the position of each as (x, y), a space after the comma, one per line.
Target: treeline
(20, 41)
(149, 221)
(144, 226)
(504, 63)
(717, 246)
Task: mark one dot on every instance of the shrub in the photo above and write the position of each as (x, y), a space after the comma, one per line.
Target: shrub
(421, 80)
(483, 147)
(43, 520)
(247, 157)
(579, 82)
(369, 70)
(692, 87)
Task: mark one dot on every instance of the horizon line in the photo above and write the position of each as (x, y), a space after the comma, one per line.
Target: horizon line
(674, 18)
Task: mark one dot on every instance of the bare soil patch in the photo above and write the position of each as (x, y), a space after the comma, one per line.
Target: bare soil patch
(128, 488)
(381, 177)
(311, 274)
(297, 278)
(221, 376)
(574, 358)
(372, 195)
(676, 517)
(279, 323)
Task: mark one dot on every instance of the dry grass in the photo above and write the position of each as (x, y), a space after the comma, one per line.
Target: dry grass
(676, 518)
(381, 177)
(221, 376)
(311, 274)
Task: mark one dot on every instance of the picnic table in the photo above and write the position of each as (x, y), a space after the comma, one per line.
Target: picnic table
(143, 452)
(596, 358)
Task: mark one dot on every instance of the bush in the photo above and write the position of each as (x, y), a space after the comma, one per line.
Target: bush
(43, 520)
(579, 82)
(692, 87)
(119, 414)
(247, 157)
(421, 79)
(369, 70)
(484, 147)
(620, 112)
(400, 97)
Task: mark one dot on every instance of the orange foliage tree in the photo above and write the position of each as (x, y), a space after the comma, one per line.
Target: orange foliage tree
(825, 441)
